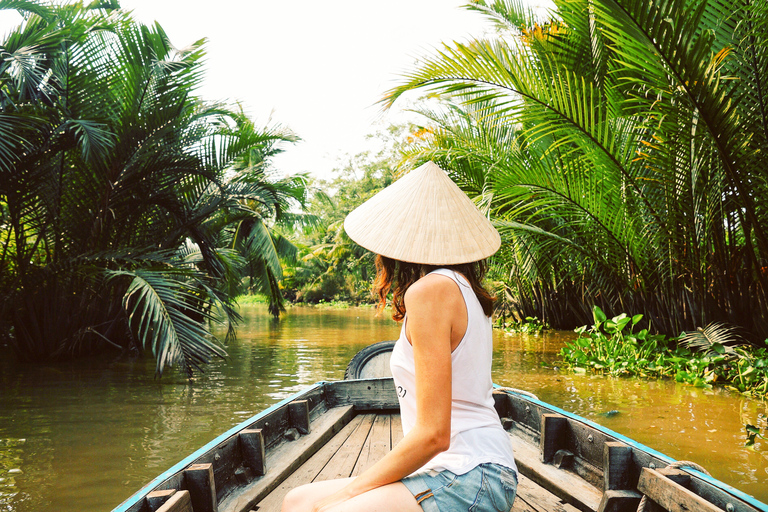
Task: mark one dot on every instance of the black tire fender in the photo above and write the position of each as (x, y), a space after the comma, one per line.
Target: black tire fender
(371, 362)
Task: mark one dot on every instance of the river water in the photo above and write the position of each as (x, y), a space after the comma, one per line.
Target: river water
(83, 436)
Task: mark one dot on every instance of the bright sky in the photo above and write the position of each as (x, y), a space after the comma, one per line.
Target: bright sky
(318, 68)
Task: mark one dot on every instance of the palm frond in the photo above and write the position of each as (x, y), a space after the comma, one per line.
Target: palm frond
(507, 15)
(158, 303)
(716, 338)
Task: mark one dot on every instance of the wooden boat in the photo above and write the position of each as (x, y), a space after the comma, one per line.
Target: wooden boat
(338, 429)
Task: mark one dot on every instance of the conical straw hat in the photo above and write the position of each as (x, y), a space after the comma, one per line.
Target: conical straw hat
(423, 218)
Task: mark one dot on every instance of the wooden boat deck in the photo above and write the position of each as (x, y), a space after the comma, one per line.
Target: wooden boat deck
(339, 429)
(365, 440)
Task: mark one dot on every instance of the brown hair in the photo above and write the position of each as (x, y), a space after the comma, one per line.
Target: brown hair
(398, 276)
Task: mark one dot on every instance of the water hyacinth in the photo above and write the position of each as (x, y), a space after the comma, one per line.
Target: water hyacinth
(612, 347)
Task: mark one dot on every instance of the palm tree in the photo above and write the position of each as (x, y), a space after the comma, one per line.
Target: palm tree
(250, 226)
(636, 174)
(112, 170)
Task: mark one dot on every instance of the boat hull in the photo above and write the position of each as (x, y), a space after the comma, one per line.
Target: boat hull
(566, 462)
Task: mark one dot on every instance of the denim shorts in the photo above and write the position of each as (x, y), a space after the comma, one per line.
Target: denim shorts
(486, 488)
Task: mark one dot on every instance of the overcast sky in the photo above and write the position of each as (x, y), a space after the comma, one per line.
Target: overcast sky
(318, 68)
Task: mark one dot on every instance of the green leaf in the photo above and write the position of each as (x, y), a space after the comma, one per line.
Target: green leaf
(598, 315)
(622, 323)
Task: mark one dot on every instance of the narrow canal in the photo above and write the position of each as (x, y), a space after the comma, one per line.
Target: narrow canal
(84, 436)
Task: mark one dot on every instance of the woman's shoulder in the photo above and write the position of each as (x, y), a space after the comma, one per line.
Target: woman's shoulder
(437, 286)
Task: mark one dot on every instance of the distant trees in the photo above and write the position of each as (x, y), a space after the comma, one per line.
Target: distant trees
(621, 146)
(330, 266)
(129, 208)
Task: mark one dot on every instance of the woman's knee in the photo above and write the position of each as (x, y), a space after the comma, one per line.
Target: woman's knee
(295, 500)
(303, 498)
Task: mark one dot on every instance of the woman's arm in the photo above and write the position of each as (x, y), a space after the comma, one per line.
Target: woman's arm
(434, 303)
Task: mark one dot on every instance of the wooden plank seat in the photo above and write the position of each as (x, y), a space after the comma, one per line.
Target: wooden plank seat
(365, 440)
(170, 500)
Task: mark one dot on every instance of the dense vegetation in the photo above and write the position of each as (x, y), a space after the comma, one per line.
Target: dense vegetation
(130, 210)
(621, 147)
(331, 267)
(614, 346)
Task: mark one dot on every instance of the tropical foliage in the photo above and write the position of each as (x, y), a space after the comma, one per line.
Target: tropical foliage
(615, 347)
(331, 267)
(128, 205)
(528, 325)
(621, 147)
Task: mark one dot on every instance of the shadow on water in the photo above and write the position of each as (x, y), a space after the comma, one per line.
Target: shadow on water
(85, 435)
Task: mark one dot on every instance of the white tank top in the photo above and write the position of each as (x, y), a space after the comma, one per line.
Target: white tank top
(477, 436)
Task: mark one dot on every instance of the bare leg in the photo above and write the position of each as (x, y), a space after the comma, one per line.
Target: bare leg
(303, 497)
(394, 496)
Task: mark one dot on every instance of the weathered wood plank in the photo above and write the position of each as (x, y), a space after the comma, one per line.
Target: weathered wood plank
(587, 447)
(253, 450)
(397, 429)
(521, 506)
(532, 497)
(564, 484)
(677, 475)
(376, 446)
(274, 424)
(525, 414)
(285, 458)
(619, 501)
(365, 395)
(554, 432)
(617, 466)
(310, 469)
(501, 403)
(179, 502)
(225, 458)
(343, 461)
(156, 499)
(652, 506)
(671, 495)
(202, 488)
(718, 497)
(299, 412)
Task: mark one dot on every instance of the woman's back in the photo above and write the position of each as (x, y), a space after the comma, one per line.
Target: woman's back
(475, 427)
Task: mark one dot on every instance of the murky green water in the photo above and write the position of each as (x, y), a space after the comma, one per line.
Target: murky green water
(84, 436)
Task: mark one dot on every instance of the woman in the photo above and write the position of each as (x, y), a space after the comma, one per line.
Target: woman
(431, 242)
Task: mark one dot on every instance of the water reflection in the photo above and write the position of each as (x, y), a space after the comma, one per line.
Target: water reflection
(94, 432)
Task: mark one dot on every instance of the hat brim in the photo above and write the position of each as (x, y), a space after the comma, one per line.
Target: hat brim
(423, 218)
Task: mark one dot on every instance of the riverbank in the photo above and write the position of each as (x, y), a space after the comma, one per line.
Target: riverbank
(253, 300)
(612, 346)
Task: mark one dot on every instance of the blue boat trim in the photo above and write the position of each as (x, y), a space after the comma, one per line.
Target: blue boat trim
(634, 444)
(141, 493)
